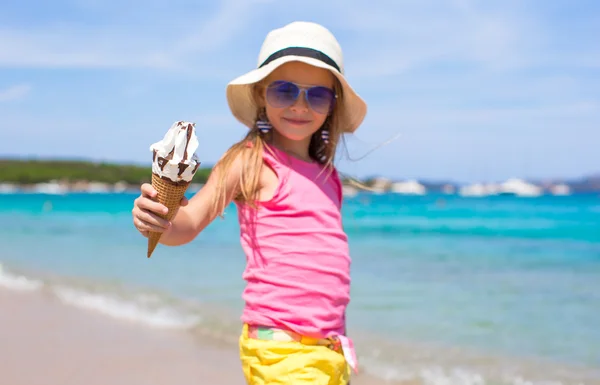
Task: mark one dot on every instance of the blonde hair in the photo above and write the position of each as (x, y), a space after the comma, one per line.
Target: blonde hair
(251, 148)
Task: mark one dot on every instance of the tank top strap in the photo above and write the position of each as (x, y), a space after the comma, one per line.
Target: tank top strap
(337, 182)
(272, 158)
(269, 156)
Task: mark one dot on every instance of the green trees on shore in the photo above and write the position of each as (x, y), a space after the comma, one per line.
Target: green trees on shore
(25, 172)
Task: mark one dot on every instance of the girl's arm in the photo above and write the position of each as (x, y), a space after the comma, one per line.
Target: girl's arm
(191, 219)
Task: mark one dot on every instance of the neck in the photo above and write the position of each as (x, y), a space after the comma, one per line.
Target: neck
(296, 148)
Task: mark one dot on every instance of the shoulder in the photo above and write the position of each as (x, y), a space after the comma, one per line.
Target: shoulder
(232, 162)
(229, 170)
(241, 169)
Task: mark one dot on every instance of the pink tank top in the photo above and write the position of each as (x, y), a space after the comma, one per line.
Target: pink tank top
(298, 261)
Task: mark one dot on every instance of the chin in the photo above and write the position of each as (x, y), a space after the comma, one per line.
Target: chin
(295, 136)
(294, 133)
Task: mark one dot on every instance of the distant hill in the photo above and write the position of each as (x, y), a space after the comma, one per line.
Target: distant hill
(586, 184)
(25, 172)
(32, 171)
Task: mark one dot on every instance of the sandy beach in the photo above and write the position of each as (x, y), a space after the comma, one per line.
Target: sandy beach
(44, 342)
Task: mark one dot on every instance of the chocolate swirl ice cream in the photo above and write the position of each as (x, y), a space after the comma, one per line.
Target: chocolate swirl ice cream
(174, 164)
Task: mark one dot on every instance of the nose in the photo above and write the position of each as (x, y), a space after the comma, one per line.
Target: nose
(301, 103)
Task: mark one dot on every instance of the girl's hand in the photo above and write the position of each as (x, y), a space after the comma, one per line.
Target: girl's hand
(147, 212)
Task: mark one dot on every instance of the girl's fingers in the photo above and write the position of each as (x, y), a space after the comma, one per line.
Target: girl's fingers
(152, 219)
(147, 212)
(148, 191)
(151, 206)
(145, 227)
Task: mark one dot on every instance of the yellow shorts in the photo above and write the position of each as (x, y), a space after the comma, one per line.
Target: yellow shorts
(276, 362)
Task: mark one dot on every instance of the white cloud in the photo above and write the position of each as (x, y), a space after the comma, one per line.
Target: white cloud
(231, 19)
(412, 35)
(73, 49)
(479, 73)
(170, 38)
(380, 39)
(16, 92)
(387, 38)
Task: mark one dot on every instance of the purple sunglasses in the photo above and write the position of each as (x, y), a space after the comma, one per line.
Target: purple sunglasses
(281, 94)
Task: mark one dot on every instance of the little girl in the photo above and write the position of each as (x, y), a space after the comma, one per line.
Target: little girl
(296, 104)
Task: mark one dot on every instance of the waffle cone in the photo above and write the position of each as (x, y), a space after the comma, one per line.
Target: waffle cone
(170, 195)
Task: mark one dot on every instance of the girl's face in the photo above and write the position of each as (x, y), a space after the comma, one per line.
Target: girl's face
(296, 118)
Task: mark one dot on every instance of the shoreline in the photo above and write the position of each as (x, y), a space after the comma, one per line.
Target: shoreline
(511, 186)
(69, 345)
(70, 306)
(66, 345)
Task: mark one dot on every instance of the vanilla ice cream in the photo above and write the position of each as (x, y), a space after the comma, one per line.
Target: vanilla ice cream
(174, 158)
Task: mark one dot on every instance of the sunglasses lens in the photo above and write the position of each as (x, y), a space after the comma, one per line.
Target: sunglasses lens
(320, 99)
(282, 94)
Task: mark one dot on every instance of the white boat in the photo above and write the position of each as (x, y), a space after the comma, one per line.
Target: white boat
(50, 188)
(349, 191)
(474, 190)
(8, 188)
(519, 187)
(410, 187)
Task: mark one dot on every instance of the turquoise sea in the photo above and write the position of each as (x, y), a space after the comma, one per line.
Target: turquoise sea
(446, 289)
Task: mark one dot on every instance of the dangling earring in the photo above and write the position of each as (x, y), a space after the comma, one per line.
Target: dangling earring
(325, 136)
(263, 124)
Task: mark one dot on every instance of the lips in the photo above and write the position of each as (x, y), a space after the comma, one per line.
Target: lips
(296, 121)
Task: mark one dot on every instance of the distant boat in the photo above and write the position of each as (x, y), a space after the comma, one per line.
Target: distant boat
(380, 185)
(7, 188)
(476, 190)
(50, 188)
(519, 187)
(120, 187)
(410, 187)
(349, 191)
(98, 188)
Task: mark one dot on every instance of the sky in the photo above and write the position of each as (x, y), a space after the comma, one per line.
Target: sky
(472, 90)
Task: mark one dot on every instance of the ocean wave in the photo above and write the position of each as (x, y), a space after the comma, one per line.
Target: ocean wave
(390, 361)
(436, 375)
(138, 311)
(17, 282)
(142, 308)
(426, 366)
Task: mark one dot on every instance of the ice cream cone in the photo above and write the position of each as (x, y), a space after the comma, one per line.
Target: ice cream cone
(170, 195)
(174, 164)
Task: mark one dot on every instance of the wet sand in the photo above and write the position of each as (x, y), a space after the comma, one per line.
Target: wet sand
(44, 342)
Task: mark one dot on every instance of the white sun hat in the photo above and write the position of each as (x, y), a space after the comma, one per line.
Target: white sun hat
(305, 42)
